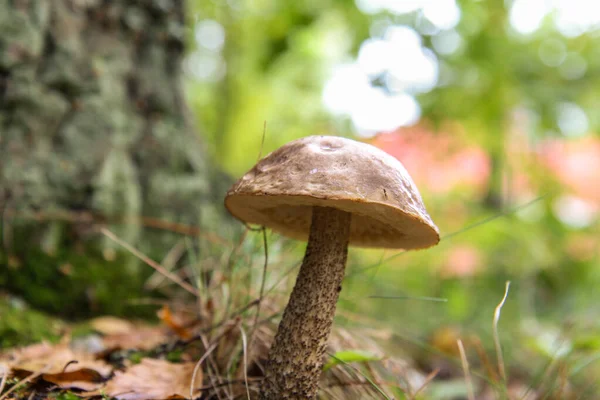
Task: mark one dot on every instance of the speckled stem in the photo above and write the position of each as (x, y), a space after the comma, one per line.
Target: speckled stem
(296, 356)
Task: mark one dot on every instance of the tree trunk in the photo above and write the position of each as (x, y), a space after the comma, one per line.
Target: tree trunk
(93, 127)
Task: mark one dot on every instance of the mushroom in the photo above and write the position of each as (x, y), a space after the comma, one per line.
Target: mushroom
(334, 192)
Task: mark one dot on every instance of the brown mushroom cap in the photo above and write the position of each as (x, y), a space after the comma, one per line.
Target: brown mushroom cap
(326, 171)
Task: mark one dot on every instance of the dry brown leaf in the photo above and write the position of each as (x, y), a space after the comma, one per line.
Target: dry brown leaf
(121, 334)
(85, 379)
(62, 366)
(60, 358)
(4, 369)
(154, 379)
(108, 325)
(141, 338)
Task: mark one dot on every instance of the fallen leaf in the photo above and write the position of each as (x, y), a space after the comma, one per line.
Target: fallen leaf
(85, 379)
(121, 334)
(61, 365)
(108, 325)
(4, 369)
(141, 338)
(175, 322)
(60, 358)
(154, 379)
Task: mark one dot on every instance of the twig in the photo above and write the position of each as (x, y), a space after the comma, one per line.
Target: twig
(465, 365)
(501, 368)
(150, 262)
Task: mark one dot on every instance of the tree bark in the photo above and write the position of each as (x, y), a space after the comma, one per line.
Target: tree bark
(93, 126)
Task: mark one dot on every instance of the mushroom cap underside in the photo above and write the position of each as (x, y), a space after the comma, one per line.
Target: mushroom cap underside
(325, 171)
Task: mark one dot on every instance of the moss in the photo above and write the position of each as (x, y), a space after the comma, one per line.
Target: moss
(21, 325)
(75, 285)
(72, 281)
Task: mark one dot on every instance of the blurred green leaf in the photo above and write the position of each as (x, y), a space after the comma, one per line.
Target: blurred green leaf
(350, 356)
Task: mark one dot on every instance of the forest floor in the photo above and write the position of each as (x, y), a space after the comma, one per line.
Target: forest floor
(179, 356)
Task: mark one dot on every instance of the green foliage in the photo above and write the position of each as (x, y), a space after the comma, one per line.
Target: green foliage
(350, 356)
(278, 56)
(497, 69)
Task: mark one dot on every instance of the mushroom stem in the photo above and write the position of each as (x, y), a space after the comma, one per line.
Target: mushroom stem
(296, 356)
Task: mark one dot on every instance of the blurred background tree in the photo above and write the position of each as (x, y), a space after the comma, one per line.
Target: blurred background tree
(94, 128)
